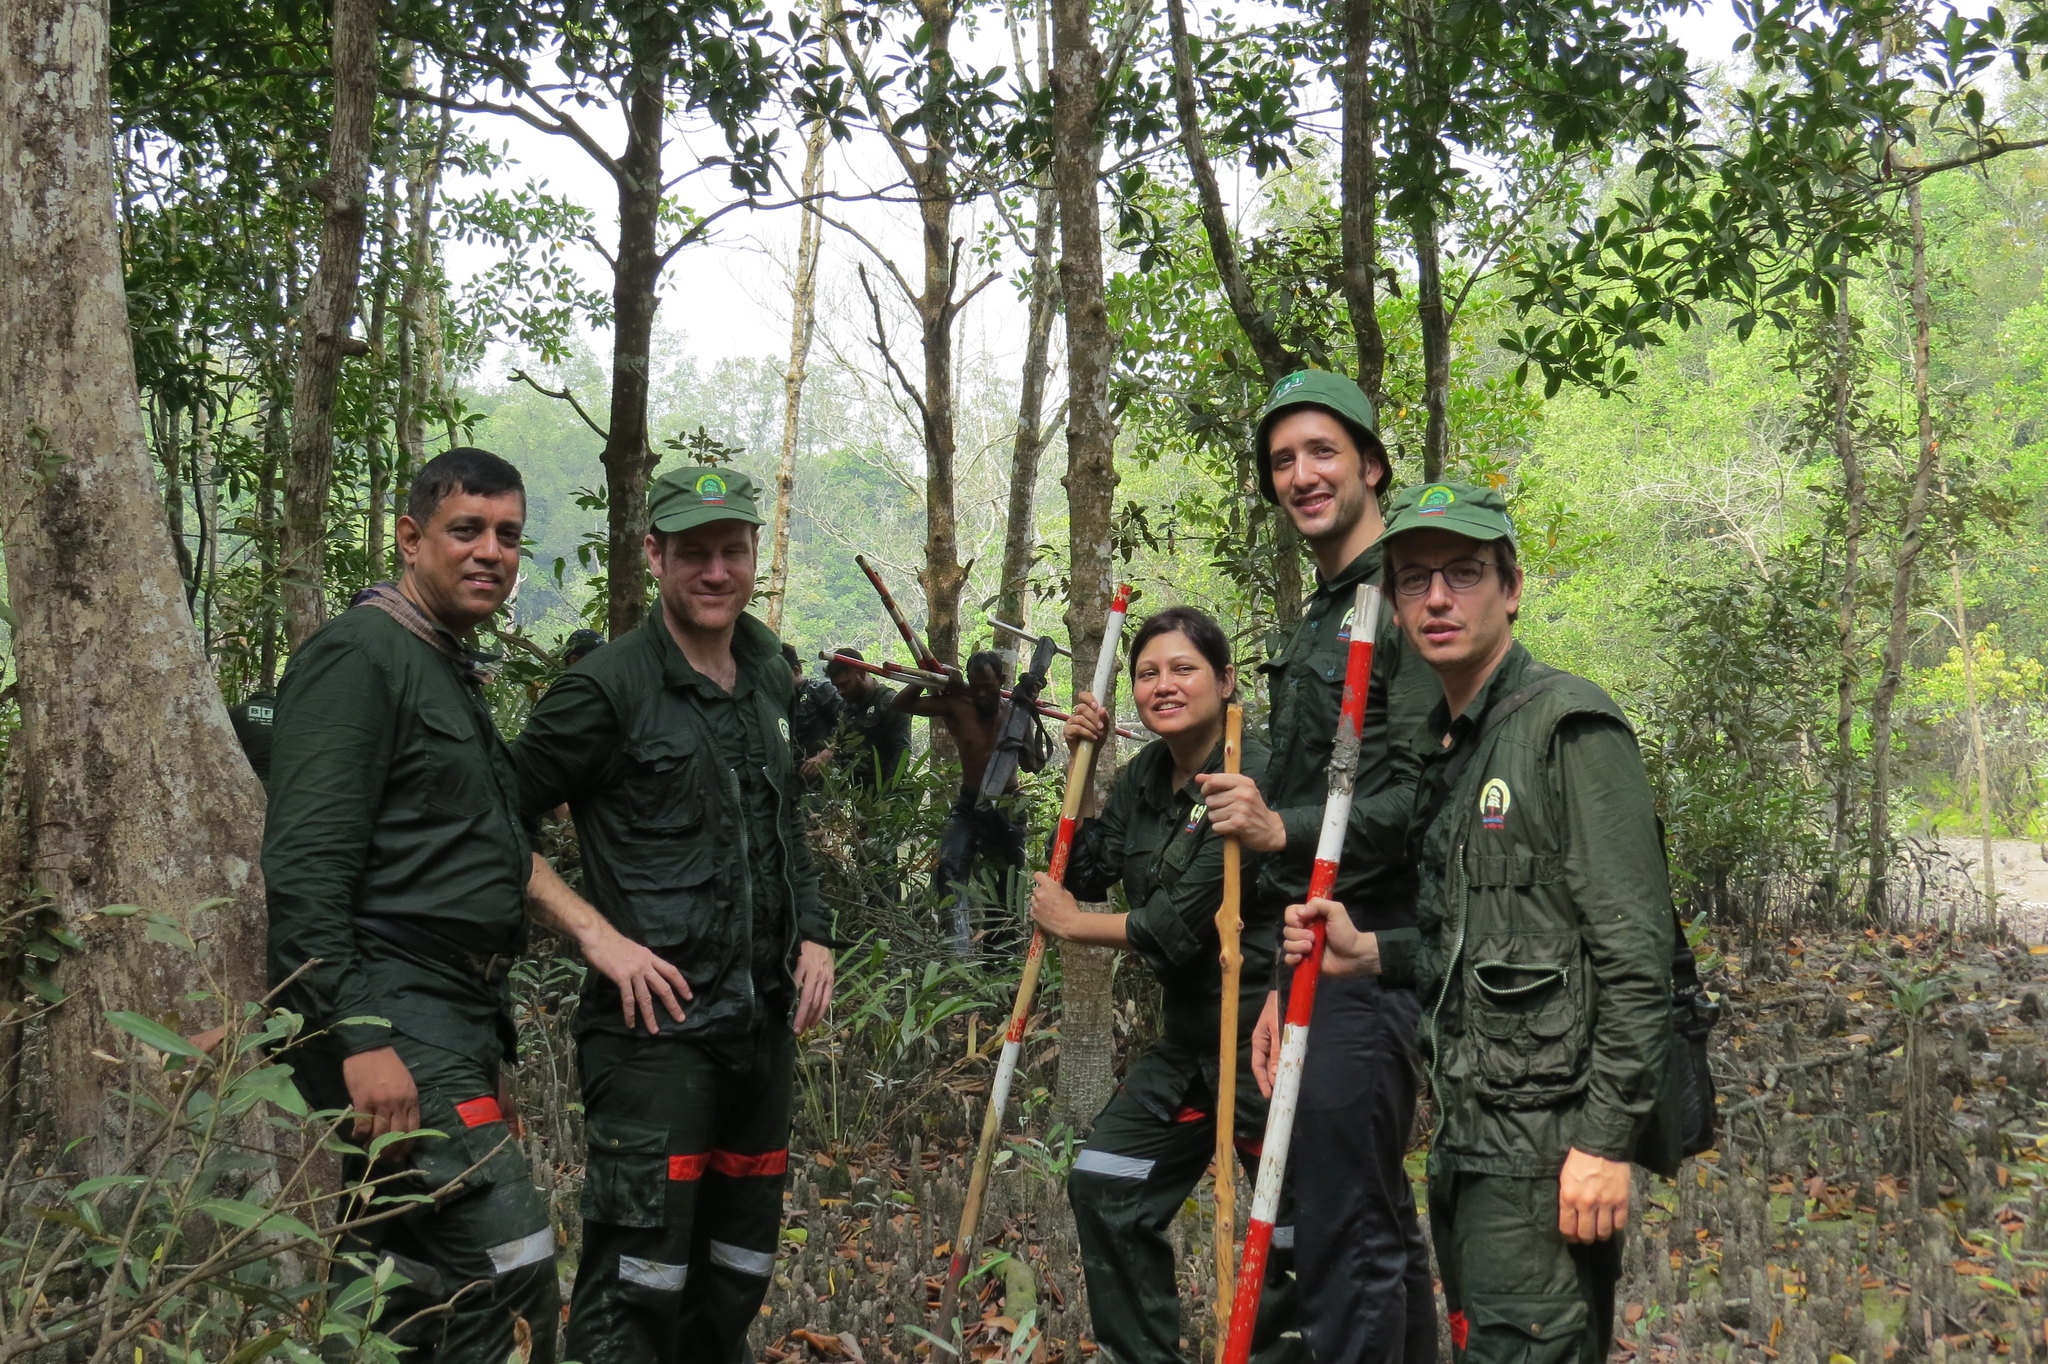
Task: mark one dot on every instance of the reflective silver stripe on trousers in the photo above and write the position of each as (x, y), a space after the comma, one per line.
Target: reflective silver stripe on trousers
(1095, 1162)
(1283, 1238)
(653, 1274)
(527, 1250)
(759, 1263)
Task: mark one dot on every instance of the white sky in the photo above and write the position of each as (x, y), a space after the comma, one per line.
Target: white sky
(728, 297)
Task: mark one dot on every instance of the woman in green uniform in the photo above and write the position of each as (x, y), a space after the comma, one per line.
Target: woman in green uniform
(1149, 1147)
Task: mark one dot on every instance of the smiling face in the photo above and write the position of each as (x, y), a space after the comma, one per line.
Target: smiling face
(1321, 477)
(1461, 633)
(706, 574)
(1176, 688)
(462, 565)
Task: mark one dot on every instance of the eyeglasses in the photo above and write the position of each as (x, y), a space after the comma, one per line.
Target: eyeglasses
(1460, 575)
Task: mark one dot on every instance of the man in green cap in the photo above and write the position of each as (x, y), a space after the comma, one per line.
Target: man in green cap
(671, 747)
(1366, 1294)
(1544, 944)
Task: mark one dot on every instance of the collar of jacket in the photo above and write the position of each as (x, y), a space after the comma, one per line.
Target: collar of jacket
(751, 643)
(1160, 774)
(1365, 566)
(1506, 678)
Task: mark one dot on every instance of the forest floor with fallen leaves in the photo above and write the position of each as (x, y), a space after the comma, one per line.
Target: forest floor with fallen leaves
(1880, 1191)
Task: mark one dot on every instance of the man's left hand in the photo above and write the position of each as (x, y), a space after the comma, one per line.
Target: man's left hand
(1592, 1197)
(815, 765)
(813, 983)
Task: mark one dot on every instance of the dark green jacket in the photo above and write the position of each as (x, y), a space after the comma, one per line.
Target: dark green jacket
(683, 850)
(1543, 952)
(874, 739)
(391, 795)
(1375, 881)
(1156, 840)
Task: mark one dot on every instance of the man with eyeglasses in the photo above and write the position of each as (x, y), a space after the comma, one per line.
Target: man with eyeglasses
(1543, 951)
(1365, 1287)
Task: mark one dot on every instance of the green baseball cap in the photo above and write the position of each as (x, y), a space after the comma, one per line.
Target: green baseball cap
(1462, 508)
(1333, 393)
(682, 498)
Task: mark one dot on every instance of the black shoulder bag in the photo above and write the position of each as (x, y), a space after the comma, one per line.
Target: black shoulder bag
(1683, 1123)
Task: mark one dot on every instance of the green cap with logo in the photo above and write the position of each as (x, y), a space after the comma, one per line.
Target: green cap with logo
(682, 498)
(1334, 393)
(1462, 508)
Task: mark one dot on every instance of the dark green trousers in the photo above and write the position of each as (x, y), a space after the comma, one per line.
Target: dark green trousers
(1516, 1291)
(480, 1258)
(682, 1200)
(1130, 1179)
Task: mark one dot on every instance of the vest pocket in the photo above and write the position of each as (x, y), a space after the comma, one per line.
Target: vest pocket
(453, 782)
(625, 1182)
(661, 788)
(1531, 1020)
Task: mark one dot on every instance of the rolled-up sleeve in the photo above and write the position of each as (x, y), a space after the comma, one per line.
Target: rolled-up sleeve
(330, 752)
(1614, 866)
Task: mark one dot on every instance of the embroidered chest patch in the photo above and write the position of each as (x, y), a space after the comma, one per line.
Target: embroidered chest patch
(1494, 801)
(1194, 819)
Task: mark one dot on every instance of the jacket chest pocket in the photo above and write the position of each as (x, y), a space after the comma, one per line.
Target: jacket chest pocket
(1528, 992)
(664, 783)
(455, 779)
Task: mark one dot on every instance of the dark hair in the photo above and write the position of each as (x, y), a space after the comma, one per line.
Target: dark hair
(791, 656)
(1199, 626)
(464, 469)
(986, 658)
(837, 668)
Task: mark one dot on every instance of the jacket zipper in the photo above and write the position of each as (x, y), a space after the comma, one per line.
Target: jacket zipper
(1461, 899)
(732, 775)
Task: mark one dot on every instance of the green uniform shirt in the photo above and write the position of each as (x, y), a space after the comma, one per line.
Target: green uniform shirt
(686, 806)
(1543, 946)
(875, 739)
(391, 795)
(1155, 838)
(1375, 880)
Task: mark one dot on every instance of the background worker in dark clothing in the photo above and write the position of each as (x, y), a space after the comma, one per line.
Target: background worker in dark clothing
(253, 720)
(813, 719)
(970, 707)
(1366, 1292)
(580, 645)
(394, 861)
(672, 747)
(874, 737)
(1149, 1147)
(1547, 956)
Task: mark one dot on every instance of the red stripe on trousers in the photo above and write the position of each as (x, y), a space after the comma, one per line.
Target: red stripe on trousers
(477, 1112)
(737, 1164)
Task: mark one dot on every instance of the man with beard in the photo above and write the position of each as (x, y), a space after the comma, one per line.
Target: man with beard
(977, 829)
(671, 746)
(1366, 1293)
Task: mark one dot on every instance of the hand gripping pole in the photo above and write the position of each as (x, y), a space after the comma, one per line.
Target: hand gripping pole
(919, 654)
(1301, 996)
(1013, 1039)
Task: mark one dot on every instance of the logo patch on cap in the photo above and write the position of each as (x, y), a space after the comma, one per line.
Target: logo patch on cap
(1436, 502)
(1494, 801)
(1287, 385)
(711, 489)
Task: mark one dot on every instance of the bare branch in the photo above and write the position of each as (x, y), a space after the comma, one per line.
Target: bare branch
(882, 345)
(565, 393)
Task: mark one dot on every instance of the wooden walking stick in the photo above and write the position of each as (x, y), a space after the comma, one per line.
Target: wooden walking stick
(1013, 1040)
(1301, 996)
(1229, 935)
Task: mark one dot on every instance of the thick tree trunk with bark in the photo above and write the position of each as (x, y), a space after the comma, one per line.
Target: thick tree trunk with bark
(803, 296)
(324, 324)
(1428, 159)
(1905, 573)
(1020, 535)
(134, 786)
(1087, 1043)
(628, 458)
(1358, 216)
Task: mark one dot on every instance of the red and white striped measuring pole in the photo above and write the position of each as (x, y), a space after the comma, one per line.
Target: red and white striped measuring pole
(1013, 1040)
(1301, 997)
